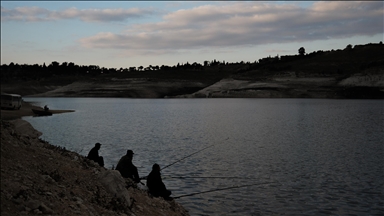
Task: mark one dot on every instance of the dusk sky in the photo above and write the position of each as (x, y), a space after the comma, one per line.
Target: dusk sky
(132, 34)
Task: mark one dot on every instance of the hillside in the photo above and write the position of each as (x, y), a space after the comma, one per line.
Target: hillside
(355, 72)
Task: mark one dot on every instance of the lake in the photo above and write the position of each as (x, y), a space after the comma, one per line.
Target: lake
(297, 156)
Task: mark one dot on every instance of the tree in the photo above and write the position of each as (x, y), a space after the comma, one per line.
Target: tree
(301, 51)
(55, 64)
(64, 64)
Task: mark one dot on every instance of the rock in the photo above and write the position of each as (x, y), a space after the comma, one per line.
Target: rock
(17, 201)
(45, 209)
(37, 211)
(33, 204)
(77, 199)
(114, 183)
(48, 179)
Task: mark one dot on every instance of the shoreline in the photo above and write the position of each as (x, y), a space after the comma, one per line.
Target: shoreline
(26, 110)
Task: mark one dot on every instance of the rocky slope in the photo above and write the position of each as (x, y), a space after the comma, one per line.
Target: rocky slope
(288, 85)
(40, 178)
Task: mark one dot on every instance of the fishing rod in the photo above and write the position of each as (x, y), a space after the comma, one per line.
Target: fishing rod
(221, 189)
(188, 156)
(207, 177)
(184, 158)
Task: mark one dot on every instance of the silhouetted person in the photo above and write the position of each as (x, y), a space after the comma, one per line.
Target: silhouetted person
(155, 183)
(126, 167)
(94, 155)
(46, 108)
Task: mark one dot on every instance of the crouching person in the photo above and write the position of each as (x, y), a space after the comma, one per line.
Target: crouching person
(155, 184)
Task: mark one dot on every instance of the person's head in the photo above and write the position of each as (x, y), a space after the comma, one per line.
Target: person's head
(98, 145)
(130, 153)
(156, 167)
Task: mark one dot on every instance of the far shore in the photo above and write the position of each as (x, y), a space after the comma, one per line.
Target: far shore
(25, 110)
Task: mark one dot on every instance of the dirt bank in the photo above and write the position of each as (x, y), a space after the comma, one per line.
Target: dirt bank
(113, 87)
(282, 85)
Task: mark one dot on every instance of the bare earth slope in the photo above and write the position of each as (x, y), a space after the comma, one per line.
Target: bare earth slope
(288, 85)
(130, 88)
(282, 85)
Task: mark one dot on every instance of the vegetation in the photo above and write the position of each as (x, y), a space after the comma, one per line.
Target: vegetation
(333, 63)
(336, 64)
(350, 60)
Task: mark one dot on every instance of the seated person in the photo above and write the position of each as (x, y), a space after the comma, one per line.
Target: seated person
(126, 167)
(94, 155)
(155, 183)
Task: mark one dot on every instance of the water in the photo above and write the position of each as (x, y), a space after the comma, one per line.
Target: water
(310, 156)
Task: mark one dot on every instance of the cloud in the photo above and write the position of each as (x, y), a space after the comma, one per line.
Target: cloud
(36, 14)
(225, 25)
(246, 24)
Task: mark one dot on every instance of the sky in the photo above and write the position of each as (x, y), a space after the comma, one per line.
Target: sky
(123, 34)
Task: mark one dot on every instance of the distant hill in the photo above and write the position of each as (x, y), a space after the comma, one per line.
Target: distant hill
(354, 72)
(335, 63)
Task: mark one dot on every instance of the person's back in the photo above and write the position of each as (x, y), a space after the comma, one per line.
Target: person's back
(155, 183)
(123, 165)
(126, 167)
(94, 155)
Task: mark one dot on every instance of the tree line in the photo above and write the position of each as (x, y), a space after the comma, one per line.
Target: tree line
(14, 71)
(37, 72)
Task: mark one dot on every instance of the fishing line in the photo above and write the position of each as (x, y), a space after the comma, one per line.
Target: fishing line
(188, 156)
(184, 158)
(221, 189)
